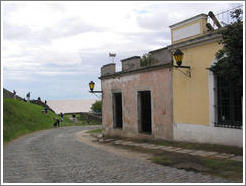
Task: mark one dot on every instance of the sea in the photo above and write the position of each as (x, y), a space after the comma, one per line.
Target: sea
(71, 106)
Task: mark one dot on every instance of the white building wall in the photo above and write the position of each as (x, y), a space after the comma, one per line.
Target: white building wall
(208, 134)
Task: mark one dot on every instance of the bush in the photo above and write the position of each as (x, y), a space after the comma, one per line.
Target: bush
(97, 107)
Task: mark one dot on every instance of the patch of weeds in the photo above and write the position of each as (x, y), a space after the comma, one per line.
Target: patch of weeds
(228, 169)
(97, 131)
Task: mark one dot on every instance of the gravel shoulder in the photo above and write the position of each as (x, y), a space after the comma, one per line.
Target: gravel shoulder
(61, 155)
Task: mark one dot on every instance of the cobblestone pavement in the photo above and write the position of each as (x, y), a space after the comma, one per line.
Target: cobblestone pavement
(55, 156)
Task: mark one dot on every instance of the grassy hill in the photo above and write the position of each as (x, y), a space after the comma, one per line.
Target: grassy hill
(21, 117)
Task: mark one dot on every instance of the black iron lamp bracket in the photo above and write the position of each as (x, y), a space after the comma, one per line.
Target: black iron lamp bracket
(96, 91)
(188, 71)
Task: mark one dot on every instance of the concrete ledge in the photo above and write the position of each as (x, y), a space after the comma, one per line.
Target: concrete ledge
(129, 58)
(206, 134)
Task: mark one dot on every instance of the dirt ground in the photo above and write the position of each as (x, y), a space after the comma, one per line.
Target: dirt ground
(90, 140)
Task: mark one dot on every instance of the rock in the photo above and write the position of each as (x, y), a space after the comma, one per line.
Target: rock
(100, 136)
(100, 140)
(191, 166)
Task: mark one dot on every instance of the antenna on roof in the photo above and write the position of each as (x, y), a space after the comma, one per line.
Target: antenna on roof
(112, 55)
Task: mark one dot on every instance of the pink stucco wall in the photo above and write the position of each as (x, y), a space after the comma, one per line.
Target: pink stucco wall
(159, 82)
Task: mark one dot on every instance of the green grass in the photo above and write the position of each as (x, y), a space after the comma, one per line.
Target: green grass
(97, 131)
(20, 118)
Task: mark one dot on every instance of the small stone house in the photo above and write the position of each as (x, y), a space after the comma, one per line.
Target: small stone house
(137, 101)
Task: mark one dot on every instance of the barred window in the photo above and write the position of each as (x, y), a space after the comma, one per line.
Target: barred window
(229, 105)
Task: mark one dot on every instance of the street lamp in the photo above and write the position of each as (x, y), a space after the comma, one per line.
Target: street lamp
(178, 56)
(91, 86)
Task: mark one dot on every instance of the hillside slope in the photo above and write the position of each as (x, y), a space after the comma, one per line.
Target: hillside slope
(21, 117)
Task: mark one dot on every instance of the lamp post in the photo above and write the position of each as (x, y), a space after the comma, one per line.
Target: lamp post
(91, 86)
(178, 56)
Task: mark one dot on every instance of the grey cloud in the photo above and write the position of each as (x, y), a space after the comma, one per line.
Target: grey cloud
(65, 28)
(23, 33)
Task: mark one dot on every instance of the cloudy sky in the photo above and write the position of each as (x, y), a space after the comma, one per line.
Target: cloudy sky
(53, 49)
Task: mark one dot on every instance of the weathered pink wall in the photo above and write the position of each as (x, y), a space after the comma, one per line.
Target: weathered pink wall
(159, 82)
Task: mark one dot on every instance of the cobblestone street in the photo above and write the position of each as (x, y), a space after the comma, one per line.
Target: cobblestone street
(55, 156)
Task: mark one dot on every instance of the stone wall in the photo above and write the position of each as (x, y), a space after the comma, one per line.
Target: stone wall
(8, 94)
(131, 63)
(91, 117)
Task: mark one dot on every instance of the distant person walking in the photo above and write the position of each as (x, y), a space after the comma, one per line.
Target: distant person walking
(57, 122)
(28, 96)
(46, 110)
(14, 94)
(45, 102)
(74, 118)
(62, 117)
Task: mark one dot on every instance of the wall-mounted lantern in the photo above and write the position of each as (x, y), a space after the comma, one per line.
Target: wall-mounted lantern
(91, 86)
(178, 56)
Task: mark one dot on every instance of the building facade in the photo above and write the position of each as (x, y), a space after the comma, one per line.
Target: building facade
(137, 101)
(163, 101)
(195, 98)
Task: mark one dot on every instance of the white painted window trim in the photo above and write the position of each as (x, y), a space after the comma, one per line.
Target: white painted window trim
(213, 116)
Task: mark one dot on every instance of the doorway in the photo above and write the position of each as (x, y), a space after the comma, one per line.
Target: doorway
(117, 105)
(144, 110)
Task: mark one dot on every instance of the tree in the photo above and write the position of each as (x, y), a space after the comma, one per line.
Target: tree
(145, 60)
(230, 58)
(97, 106)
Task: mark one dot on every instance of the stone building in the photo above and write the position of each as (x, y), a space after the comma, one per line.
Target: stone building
(163, 101)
